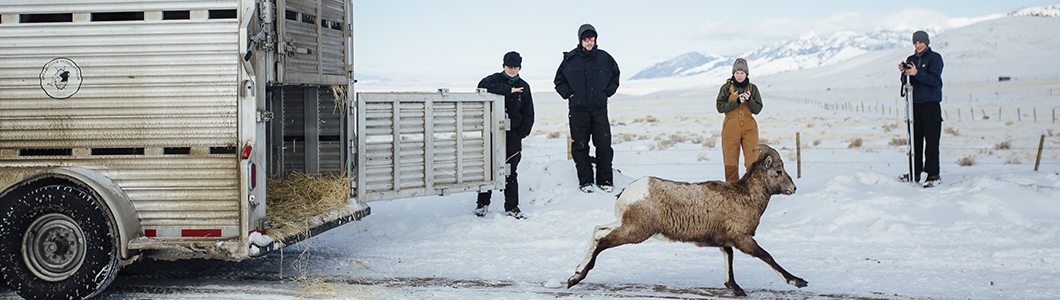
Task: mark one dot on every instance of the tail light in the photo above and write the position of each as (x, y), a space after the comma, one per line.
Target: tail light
(253, 175)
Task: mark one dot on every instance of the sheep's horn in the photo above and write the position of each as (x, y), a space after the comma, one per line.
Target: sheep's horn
(765, 149)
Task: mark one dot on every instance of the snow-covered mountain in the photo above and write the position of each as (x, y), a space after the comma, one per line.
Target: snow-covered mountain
(806, 52)
(678, 65)
(1039, 11)
(1012, 46)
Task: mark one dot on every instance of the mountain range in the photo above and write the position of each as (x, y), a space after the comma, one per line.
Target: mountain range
(807, 52)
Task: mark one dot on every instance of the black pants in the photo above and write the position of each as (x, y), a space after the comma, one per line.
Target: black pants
(583, 126)
(514, 153)
(927, 130)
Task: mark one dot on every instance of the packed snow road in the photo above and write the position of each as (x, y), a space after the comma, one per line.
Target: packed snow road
(261, 279)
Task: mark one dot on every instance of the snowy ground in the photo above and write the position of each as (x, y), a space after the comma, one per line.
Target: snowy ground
(851, 230)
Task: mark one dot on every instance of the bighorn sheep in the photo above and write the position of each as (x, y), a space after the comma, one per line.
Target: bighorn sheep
(707, 214)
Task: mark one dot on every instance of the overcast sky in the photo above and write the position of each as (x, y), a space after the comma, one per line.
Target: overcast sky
(445, 43)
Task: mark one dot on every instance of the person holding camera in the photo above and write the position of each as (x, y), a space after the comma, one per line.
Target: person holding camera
(924, 70)
(738, 99)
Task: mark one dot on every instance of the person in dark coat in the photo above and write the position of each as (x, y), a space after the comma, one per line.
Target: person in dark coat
(519, 108)
(586, 78)
(924, 69)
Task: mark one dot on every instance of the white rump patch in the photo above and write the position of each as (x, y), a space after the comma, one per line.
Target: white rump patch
(634, 192)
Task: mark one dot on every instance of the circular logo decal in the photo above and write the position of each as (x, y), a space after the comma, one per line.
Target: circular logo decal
(60, 78)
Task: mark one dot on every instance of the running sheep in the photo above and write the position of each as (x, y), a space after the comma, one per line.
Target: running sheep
(707, 214)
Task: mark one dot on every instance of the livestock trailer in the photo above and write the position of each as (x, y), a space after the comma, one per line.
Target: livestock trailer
(148, 128)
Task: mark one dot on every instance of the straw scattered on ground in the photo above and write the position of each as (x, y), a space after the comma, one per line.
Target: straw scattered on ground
(293, 201)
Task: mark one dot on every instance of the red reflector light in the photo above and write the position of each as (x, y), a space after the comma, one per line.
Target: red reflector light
(253, 175)
(246, 152)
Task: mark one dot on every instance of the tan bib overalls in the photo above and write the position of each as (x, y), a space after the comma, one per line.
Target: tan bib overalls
(738, 130)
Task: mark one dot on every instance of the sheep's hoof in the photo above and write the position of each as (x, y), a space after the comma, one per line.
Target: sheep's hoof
(736, 290)
(798, 282)
(574, 280)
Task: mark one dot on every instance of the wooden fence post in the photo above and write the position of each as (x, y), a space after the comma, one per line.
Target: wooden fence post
(1041, 142)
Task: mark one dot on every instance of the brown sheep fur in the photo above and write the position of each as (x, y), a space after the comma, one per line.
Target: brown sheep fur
(707, 214)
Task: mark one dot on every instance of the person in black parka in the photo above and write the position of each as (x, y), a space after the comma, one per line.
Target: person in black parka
(586, 78)
(519, 108)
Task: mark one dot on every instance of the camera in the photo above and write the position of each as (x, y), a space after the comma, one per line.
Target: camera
(905, 65)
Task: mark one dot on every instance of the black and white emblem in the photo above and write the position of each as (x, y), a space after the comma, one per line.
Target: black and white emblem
(60, 78)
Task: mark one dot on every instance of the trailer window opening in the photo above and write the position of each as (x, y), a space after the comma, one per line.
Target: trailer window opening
(223, 150)
(309, 19)
(44, 152)
(331, 24)
(223, 14)
(329, 138)
(176, 150)
(46, 18)
(117, 151)
(176, 15)
(118, 16)
(291, 15)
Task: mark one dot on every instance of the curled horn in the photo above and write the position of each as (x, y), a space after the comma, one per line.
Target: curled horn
(767, 151)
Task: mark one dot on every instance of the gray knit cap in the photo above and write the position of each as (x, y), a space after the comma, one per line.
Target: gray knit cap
(921, 36)
(740, 65)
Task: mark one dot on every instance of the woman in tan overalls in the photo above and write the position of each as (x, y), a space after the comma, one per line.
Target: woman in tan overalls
(738, 99)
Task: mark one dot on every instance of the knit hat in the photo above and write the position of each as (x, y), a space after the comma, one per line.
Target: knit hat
(512, 59)
(586, 30)
(739, 65)
(921, 36)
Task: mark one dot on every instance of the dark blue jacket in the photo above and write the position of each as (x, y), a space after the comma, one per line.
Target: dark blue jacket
(518, 106)
(927, 84)
(587, 78)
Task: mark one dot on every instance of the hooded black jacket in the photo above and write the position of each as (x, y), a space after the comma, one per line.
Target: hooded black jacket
(587, 78)
(519, 106)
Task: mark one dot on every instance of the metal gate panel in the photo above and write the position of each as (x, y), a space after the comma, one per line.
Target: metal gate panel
(312, 37)
(417, 144)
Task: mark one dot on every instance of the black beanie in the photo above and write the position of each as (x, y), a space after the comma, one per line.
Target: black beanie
(512, 59)
(586, 31)
(921, 36)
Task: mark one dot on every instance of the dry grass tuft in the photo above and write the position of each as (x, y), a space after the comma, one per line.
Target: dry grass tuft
(648, 119)
(898, 142)
(967, 161)
(952, 131)
(1003, 146)
(334, 287)
(856, 143)
(293, 200)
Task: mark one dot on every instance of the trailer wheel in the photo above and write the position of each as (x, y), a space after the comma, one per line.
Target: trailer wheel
(58, 242)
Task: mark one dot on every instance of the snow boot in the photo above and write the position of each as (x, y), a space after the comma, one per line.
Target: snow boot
(516, 213)
(481, 210)
(905, 178)
(587, 188)
(607, 188)
(932, 181)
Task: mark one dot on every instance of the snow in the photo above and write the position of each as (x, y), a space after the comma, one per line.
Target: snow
(990, 231)
(851, 230)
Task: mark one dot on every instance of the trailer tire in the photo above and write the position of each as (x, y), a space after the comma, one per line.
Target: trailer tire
(58, 242)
